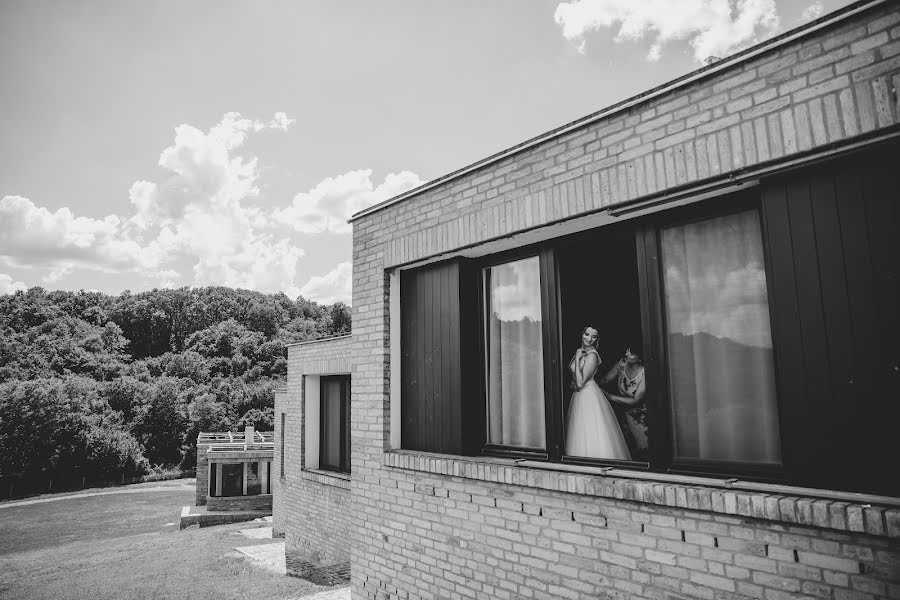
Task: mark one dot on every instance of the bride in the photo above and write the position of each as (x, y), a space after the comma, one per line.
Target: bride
(592, 429)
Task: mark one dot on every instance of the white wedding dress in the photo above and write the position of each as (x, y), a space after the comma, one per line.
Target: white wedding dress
(592, 430)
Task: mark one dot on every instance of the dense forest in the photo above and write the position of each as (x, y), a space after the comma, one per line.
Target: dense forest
(111, 386)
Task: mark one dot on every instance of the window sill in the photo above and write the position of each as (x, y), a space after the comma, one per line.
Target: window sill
(333, 478)
(803, 506)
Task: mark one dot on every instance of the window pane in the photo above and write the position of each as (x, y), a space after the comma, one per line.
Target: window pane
(232, 479)
(604, 404)
(254, 483)
(514, 354)
(721, 369)
(330, 451)
(213, 469)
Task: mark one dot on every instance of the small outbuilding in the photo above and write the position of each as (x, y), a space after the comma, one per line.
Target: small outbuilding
(233, 477)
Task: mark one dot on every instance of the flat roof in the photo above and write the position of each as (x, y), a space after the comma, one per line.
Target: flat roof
(745, 55)
(234, 437)
(321, 339)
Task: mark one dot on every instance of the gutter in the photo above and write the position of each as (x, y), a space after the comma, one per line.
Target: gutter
(717, 67)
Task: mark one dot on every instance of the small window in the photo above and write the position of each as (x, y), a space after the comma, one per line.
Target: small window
(335, 424)
(281, 442)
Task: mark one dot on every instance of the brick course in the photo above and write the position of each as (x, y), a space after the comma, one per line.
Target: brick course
(260, 502)
(808, 94)
(427, 526)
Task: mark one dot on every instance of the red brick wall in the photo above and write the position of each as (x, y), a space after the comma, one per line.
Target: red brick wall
(432, 527)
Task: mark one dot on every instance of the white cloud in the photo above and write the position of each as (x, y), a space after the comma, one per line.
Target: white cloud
(712, 27)
(200, 211)
(515, 290)
(281, 121)
(812, 12)
(334, 286)
(8, 286)
(32, 236)
(200, 219)
(197, 215)
(329, 204)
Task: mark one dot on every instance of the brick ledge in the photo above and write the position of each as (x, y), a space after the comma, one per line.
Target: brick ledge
(792, 509)
(339, 480)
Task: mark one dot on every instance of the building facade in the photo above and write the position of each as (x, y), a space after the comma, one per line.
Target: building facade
(312, 503)
(234, 470)
(650, 354)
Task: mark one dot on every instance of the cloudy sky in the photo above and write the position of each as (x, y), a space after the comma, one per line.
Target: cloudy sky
(170, 143)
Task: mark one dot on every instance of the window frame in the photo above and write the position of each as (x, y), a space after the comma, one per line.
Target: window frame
(646, 232)
(343, 465)
(657, 342)
(547, 268)
(281, 443)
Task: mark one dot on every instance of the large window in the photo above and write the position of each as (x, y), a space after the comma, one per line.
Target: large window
(751, 335)
(334, 416)
(719, 341)
(705, 400)
(246, 478)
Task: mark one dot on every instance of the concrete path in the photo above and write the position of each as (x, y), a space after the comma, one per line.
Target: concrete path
(125, 490)
(267, 556)
(338, 594)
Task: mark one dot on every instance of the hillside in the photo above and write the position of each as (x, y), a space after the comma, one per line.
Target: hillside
(108, 385)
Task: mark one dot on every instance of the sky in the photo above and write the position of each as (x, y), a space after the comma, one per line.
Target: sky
(190, 143)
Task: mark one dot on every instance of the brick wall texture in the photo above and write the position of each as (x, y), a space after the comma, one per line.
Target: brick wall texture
(828, 88)
(260, 503)
(420, 534)
(202, 487)
(311, 508)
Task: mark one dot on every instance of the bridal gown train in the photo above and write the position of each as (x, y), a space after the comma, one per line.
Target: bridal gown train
(592, 429)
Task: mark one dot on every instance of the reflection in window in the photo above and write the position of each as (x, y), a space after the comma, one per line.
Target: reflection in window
(254, 483)
(232, 479)
(514, 354)
(721, 370)
(334, 424)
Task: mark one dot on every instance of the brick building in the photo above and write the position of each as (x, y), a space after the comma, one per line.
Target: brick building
(234, 470)
(311, 507)
(731, 240)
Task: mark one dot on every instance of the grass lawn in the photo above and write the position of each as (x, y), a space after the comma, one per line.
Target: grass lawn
(128, 546)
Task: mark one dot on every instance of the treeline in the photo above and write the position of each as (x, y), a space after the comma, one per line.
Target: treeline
(107, 386)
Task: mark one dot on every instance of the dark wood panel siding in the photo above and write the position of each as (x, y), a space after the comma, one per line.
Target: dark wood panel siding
(832, 235)
(431, 361)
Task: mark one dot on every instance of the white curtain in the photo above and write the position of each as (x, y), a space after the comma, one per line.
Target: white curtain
(721, 368)
(515, 364)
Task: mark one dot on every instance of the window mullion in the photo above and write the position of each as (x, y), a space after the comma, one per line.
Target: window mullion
(658, 408)
(552, 361)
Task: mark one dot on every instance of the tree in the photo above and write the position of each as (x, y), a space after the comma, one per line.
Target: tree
(111, 452)
(42, 426)
(105, 383)
(261, 420)
(162, 425)
(340, 317)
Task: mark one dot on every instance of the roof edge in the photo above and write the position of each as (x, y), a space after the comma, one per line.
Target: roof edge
(788, 36)
(321, 339)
